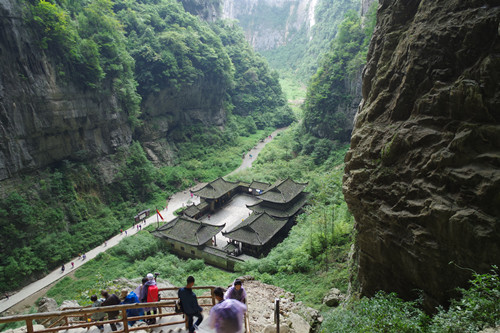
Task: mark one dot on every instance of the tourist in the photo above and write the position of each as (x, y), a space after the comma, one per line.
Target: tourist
(149, 293)
(137, 290)
(108, 301)
(72, 265)
(227, 315)
(237, 292)
(97, 316)
(190, 304)
(131, 298)
(62, 269)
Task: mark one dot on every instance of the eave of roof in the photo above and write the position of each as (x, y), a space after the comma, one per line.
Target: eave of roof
(257, 229)
(189, 231)
(283, 211)
(216, 188)
(282, 191)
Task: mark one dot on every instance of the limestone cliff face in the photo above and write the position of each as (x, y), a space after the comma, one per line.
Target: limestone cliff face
(200, 103)
(207, 10)
(269, 23)
(422, 177)
(44, 120)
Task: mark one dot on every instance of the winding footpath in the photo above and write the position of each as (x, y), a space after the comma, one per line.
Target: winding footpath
(178, 200)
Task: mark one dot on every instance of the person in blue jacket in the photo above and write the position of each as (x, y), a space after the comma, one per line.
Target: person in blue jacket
(190, 304)
(131, 298)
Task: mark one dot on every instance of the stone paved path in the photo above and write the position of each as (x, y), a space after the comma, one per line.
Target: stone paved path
(177, 201)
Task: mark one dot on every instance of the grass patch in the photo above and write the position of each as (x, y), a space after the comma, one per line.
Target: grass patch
(133, 258)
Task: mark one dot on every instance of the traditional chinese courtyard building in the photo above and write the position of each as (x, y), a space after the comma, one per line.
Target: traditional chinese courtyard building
(272, 218)
(284, 199)
(217, 193)
(269, 223)
(259, 233)
(191, 238)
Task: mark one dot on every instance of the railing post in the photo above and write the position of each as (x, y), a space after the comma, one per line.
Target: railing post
(124, 319)
(277, 314)
(212, 294)
(29, 325)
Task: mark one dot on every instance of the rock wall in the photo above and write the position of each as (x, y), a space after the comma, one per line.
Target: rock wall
(199, 103)
(422, 177)
(258, 18)
(207, 10)
(44, 120)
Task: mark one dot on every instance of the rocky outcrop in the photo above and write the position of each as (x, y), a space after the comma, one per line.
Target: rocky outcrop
(297, 317)
(42, 118)
(270, 23)
(209, 11)
(422, 177)
(334, 298)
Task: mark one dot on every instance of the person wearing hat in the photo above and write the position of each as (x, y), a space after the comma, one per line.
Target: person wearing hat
(149, 293)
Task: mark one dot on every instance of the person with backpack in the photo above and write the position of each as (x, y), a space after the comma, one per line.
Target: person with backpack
(149, 294)
(190, 304)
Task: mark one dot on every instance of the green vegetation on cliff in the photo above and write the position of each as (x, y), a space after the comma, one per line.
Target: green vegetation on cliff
(135, 49)
(87, 43)
(171, 48)
(328, 94)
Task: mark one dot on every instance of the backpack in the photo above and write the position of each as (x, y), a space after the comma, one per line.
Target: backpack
(178, 306)
(152, 293)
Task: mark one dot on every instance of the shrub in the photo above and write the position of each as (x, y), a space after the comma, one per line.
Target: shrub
(478, 308)
(381, 313)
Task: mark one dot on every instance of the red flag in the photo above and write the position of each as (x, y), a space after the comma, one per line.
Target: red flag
(157, 211)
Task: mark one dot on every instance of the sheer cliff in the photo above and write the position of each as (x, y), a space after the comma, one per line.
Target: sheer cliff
(42, 118)
(422, 176)
(63, 90)
(271, 23)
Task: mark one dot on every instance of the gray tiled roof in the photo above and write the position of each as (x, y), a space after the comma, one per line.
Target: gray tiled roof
(189, 231)
(257, 229)
(259, 185)
(282, 191)
(191, 210)
(284, 210)
(216, 189)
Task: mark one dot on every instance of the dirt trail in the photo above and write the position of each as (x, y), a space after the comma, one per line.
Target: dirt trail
(26, 297)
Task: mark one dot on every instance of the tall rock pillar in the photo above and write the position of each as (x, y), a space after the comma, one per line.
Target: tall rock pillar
(422, 177)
